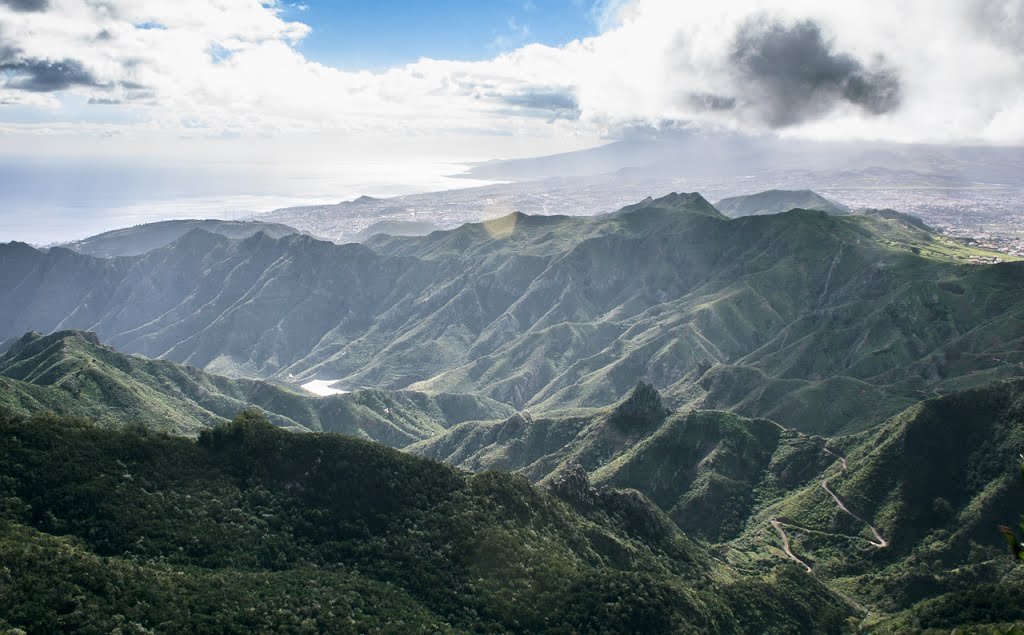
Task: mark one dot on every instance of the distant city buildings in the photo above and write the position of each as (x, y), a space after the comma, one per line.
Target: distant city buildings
(988, 217)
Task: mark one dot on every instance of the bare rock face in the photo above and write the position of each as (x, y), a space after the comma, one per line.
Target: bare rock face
(642, 408)
(573, 486)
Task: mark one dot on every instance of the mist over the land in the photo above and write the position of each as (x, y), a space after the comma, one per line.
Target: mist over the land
(72, 199)
(46, 202)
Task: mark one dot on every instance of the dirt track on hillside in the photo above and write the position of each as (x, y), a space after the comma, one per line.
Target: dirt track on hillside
(879, 542)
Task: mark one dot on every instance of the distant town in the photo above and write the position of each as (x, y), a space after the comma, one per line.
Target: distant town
(987, 217)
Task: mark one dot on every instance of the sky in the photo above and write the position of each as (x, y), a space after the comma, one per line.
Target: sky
(375, 36)
(307, 100)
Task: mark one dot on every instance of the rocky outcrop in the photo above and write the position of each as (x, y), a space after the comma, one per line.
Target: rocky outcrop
(643, 408)
(628, 508)
(572, 485)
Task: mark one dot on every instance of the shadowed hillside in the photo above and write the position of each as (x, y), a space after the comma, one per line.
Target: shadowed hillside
(700, 467)
(905, 518)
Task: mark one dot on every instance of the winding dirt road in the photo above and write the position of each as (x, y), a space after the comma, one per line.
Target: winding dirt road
(879, 541)
(785, 545)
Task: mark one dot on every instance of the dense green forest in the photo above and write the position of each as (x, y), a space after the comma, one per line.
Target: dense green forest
(252, 528)
(250, 525)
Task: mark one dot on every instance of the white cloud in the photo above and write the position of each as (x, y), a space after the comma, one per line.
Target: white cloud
(939, 70)
(960, 77)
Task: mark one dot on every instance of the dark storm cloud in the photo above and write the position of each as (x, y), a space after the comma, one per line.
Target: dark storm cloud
(791, 73)
(38, 75)
(26, 5)
(44, 76)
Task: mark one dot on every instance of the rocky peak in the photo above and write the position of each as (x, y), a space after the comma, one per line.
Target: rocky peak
(644, 406)
(513, 427)
(32, 343)
(689, 201)
(572, 484)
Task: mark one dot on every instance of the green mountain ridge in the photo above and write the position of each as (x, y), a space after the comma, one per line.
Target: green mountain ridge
(254, 529)
(133, 241)
(546, 313)
(71, 373)
(898, 521)
(936, 480)
(619, 445)
(776, 202)
(914, 542)
(826, 421)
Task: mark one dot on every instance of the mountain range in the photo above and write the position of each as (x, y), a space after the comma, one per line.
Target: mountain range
(71, 374)
(660, 419)
(823, 323)
(721, 522)
(695, 154)
(133, 241)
